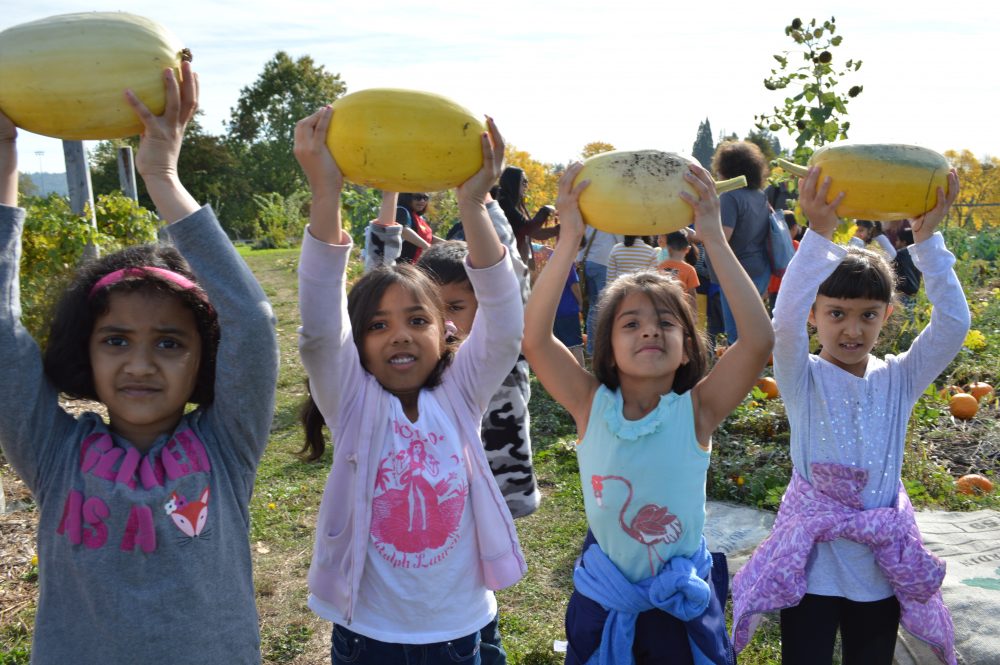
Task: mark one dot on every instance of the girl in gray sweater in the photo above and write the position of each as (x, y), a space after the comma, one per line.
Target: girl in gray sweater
(143, 542)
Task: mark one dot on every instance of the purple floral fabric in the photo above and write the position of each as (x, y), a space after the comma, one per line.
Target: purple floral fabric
(830, 508)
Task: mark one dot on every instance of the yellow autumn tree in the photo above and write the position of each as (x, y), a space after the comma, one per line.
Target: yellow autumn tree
(595, 148)
(978, 203)
(543, 179)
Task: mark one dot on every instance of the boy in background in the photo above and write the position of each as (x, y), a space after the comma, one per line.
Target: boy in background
(678, 247)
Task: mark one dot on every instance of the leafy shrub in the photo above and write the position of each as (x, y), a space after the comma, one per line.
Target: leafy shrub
(280, 219)
(55, 240)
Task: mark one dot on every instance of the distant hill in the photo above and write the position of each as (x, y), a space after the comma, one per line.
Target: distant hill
(50, 182)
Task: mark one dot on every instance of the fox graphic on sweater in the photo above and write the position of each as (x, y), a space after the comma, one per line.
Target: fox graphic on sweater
(189, 516)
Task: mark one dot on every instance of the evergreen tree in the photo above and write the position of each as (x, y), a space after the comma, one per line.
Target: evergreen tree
(704, 146)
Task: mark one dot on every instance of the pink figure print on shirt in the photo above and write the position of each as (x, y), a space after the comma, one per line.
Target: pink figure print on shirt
(417, 504)
(189, 516)
(651, 525)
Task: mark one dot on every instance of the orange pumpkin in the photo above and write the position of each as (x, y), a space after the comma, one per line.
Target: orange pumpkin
(947, 391)
(963, 406)
(974, 483)
(979, 389)
(769, 387)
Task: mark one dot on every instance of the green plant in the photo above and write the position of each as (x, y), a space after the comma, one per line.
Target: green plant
(280, 219)
(813, 114)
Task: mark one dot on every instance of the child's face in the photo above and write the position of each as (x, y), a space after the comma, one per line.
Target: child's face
(145, 352)
(403, 342)
(646, 342)
(848, 329)
(460, 305)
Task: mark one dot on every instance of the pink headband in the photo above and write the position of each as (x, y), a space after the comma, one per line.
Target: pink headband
(119, 275)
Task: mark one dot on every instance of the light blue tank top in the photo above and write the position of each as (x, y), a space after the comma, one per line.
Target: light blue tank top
(643, 482)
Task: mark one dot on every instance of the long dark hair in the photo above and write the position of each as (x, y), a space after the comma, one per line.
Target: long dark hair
(510, 189)
(363, 301)
(666, 293)
(66, 360)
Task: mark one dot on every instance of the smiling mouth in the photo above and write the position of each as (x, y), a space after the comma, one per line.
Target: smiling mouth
(402, 360)
(138, 391)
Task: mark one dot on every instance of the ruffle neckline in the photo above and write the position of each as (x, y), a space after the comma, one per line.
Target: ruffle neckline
(632, 430)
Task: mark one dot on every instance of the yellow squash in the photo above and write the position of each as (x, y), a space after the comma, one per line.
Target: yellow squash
(638, 192)
(882, 181)
(65, 76)
(405, 140)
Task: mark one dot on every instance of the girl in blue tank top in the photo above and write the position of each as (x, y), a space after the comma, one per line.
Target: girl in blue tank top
(646, 587)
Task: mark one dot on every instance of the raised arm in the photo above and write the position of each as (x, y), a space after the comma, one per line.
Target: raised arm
(485, 248)
(942, 339)
(384, 236)
(244, 394)
(8, 162)
(727, 384)
(554, 365)
(815, 260)
(160, 143)
(324, 177)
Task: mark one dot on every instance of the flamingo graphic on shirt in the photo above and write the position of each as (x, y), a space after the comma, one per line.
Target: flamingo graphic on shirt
(651, 525)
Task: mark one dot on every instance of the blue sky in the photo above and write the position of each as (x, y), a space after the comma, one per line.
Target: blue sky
(557, 75)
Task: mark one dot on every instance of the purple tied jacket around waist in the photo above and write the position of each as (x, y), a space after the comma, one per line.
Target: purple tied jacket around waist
(775, 576)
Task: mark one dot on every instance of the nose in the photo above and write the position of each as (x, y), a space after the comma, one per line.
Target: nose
(402, 335)
(140, 360)
(651, 329)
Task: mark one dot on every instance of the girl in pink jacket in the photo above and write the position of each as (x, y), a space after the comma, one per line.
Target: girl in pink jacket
(413, 534)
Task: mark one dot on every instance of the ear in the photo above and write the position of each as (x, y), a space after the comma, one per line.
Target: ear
(812, 316)
(888, 312)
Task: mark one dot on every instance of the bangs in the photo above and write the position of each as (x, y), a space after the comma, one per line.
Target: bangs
(862, 274)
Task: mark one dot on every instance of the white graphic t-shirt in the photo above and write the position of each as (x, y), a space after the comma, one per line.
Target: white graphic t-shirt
(422, 581)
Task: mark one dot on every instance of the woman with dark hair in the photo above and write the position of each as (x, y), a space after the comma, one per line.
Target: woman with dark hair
(745, 214)
(513, 185)
(410, 209)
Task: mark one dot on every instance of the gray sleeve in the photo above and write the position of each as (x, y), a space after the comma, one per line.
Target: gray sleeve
(383, 245)
(246, 369)
(32, 433)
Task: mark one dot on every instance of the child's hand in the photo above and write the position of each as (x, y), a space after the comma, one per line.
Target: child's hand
(160, 142)
(475, 189)
(925, 225)
(822, 216)
(314, 156)
(568, 205)
(707, 215)
(8, 161)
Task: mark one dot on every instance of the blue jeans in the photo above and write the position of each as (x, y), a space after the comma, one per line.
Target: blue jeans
(596, 277)
(760, 282)
(479, 648)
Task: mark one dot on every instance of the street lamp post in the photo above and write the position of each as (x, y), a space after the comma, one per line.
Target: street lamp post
(41, 174)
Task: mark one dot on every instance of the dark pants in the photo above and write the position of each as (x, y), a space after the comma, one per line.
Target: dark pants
(479, 648)
(659, 637)
(867, 631)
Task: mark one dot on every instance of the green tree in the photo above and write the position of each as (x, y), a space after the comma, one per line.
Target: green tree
(26, 186)
(208, 168)
(262, 125)
(766, 141)
(814, 110)
(704, 146)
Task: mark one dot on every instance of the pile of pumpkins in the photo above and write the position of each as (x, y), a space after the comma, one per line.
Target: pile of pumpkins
(964, 402)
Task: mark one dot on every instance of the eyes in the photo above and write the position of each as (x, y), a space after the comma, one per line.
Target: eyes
(665, 324)
(415, 321)
(838, 315)
(122, 342)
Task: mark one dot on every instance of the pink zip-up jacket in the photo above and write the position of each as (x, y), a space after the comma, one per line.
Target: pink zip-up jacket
(355, 407)
(829, 508)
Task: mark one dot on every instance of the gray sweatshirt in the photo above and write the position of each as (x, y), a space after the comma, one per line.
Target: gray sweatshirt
(145, 558)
